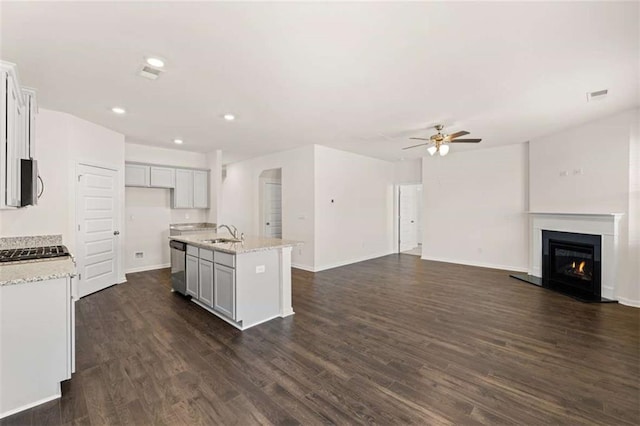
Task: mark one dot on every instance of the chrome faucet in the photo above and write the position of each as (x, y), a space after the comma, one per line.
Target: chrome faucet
(233, 232)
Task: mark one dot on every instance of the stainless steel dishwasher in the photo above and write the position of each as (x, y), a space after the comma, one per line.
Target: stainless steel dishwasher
(178, 273)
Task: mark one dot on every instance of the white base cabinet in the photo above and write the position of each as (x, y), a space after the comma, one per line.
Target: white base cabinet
(224, 284)
(37, 348)
(205, 282)
(192, 270)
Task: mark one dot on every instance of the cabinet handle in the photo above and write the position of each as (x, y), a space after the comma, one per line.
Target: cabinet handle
(116, 232)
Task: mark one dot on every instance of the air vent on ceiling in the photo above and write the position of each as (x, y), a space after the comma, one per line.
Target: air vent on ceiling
(597, 95)
(149, 72)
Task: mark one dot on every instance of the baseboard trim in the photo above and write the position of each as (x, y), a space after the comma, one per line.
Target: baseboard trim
(303, 267)
(352, 261)
(478, 264)
(629, 302)
(147, 268)
(31, 405)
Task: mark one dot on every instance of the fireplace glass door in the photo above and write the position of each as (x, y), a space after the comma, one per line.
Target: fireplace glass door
(571, 262)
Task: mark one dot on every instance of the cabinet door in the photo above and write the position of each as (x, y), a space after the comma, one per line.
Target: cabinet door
(15, 142)
(183, 192)
(205, 293)
(224, 295)
(136, 175)
(192, 275)
(163, 177)
(30, 136)
(200, 189)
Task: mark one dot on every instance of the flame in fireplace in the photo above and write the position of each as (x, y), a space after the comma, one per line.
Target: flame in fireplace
(581, 267)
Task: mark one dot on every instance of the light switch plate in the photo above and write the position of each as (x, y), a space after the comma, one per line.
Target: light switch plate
(260, 269)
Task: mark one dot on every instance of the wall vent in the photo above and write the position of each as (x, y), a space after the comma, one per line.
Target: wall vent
(149, 72)
(597, 95)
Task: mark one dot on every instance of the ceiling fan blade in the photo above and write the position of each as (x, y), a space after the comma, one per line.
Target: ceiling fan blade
(415, 146)
(458, 134)
(421, 139)
(466, 140)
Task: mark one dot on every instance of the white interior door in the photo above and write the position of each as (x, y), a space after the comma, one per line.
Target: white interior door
(273, 210)
(97, 210)
(408, 217)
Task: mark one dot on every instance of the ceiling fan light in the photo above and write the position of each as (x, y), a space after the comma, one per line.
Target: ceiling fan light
(444, 150)
(432, 150)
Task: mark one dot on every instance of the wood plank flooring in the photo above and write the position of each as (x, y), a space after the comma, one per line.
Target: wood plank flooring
(394, 340)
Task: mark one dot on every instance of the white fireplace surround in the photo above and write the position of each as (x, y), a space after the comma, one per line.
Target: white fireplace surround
(604, 224)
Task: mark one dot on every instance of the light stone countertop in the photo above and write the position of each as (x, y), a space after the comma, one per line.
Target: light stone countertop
(250, 244)
(40, 270)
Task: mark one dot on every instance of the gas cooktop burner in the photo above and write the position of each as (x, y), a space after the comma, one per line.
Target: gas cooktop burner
(33, 253)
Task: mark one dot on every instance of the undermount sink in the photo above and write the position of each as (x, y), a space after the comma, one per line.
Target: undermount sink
(221, 240)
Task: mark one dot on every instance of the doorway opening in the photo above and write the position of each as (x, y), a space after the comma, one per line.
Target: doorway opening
(410, 219)
(270, 182)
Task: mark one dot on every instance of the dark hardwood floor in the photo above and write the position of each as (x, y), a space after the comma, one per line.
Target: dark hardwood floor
(394, 340)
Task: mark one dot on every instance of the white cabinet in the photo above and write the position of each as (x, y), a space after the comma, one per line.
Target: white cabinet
(205, 276)
(191, 190)
(190, 187)
(192, 275)
(136, 175)
(17, 133)
(163, 177)
(200, 189)
(36, 342)
(183, 192)
(224, 284)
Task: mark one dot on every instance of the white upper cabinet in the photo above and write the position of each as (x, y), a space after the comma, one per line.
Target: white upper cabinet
(190, 187)
(183, 192)
(136, 175)
(163, 177)
(17, 133)
(200, 189)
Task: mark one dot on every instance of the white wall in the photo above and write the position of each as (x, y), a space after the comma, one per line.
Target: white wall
(353, 207)
(241, 200)
(631, 290)
(475, 205)
(63, 141)
(148, 211)
(408, 171)
(590, 169)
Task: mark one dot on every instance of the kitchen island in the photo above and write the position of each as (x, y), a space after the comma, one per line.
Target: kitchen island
(245, 283)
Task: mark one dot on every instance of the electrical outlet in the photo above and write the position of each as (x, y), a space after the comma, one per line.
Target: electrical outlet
(260, 269)
(139, 255)
(186, 215)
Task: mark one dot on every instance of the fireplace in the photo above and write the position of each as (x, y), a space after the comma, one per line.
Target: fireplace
(571, 263)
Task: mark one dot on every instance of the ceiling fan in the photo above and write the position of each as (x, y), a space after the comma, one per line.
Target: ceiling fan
(441, 140)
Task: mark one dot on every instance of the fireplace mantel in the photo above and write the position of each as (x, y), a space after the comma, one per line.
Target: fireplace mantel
(604, 224)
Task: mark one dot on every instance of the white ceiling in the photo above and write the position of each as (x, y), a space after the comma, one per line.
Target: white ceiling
(356, 76)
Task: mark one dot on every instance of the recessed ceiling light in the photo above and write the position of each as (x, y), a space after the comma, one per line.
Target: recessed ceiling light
(155, 62)
(118, 110)
(178, 141)
(229, 117)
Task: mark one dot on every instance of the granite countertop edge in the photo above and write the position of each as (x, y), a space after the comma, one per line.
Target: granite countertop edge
(29, 272)
(259, 243)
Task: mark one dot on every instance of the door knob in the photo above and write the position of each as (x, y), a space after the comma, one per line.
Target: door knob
(268, 223)
(116, 232)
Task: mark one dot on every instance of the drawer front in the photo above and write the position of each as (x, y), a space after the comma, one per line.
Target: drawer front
(193, 251)
(225, 259)
(206, 254)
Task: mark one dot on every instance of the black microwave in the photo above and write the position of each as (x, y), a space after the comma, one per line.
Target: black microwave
(28, 182)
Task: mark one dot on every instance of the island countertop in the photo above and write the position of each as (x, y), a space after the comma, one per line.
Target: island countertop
(40, 270)
(250, 244)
